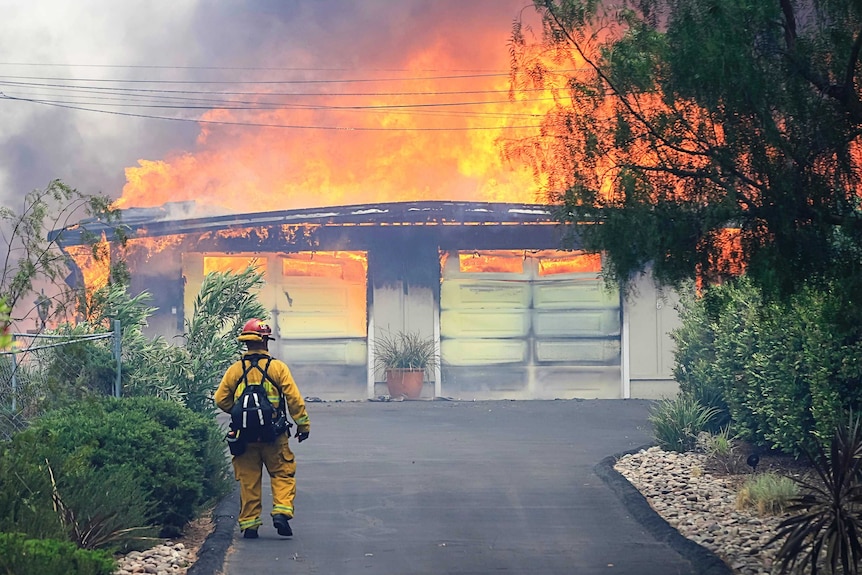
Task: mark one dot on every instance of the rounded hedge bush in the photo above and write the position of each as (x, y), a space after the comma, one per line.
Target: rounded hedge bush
(23, 556)
(176, 455)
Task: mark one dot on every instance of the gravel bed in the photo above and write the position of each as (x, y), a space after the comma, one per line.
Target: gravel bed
(702, 507)
(166, 559)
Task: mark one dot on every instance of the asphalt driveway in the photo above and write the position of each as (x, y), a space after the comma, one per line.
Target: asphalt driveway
(434, 487)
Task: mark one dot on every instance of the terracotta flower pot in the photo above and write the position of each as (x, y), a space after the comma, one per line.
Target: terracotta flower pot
(405, 382)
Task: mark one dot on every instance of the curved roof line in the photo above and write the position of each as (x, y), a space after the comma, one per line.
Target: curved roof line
(160, 221)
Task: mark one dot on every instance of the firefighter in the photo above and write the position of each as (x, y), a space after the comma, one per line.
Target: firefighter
(277, 455)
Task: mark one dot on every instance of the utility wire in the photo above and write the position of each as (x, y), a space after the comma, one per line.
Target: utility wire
(262, 82)
(378, 107)
(94, 96)
(249, 106)
(267, 125)
(238, 68)
(246, 93)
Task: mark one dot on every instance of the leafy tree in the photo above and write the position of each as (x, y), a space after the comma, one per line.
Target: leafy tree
(703, 137)
(186, 373)
(31, 241)
(225, 301)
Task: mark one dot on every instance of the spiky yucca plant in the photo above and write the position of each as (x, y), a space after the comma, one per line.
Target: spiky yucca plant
(826, 527)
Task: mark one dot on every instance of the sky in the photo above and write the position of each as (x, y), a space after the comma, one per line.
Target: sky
(109, 55)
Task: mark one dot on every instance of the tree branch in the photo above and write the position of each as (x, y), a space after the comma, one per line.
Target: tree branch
(844, 92)
(604, 78)
(789, 25)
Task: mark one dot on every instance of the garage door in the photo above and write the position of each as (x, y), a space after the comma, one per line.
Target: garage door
(321, 307)
(317, 305)
(528, 324)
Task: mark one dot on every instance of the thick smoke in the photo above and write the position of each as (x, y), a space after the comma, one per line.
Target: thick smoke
(202, 41)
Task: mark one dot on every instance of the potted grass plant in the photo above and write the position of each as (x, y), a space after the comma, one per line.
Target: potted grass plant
(405, 358)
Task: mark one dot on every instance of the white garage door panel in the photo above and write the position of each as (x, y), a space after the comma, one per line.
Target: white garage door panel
(317, 325)
(585, 350)
(331, 353)
(576, 323)
(570, 293)
(484, 323)
(484, 294)
(467, 352)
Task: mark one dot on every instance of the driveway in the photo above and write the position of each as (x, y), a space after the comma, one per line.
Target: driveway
(434, 487)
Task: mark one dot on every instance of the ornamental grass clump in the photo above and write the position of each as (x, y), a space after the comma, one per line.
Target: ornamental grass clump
(405, 350)
(721, 449)
(768, 493)
(677, 422)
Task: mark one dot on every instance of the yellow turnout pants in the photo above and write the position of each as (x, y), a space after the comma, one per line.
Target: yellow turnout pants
(281, 465)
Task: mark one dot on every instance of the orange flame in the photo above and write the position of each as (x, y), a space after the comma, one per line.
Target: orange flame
(351, 266)
(476, 262)
(94, 263)
(233, 264)
(141, 249)
(405, 139)
(555, 264)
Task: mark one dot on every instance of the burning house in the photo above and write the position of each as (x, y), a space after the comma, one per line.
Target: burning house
(514, 316)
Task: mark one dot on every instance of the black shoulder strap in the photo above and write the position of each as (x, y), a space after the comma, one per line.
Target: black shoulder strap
(253, 362)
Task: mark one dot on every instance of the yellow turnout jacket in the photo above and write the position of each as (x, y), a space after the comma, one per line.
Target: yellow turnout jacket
(279, 378)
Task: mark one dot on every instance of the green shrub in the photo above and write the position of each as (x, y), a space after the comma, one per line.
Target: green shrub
(46, 493)
(116, 514)
(784, 368)
(677, 422)
(22, 556)
(176, 455)
(694, 358)
(769, 493)
(25, 492)
(719, 444)
(79, 369)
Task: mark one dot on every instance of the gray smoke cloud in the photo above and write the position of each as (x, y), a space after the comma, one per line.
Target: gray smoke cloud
(201, 40)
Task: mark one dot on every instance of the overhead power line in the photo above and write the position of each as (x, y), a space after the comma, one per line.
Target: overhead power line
(4, 82)
(118, 97)
(271, 125)
(246, 68)
(262, 82)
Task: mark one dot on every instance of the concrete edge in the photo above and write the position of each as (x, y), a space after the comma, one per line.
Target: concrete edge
(211, 555)
(704, 561)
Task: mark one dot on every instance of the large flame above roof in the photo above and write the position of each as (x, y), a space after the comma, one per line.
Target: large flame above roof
(424, 124)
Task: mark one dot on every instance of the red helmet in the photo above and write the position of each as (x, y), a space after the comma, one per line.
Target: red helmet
(255, 330)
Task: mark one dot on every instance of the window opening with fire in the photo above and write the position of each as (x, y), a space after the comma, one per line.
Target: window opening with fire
(322, 295)
(233, 264)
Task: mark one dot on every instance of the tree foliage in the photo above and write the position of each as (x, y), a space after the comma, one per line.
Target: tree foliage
(702, 137)
(187, 370)
(5, 336)
(29, 244)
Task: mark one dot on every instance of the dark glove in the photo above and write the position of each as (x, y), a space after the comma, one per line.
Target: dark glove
(301, 435)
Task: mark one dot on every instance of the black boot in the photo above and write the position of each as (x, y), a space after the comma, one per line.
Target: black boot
(250, 533)
(282, 525)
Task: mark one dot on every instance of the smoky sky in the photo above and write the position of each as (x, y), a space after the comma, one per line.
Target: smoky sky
(196, 40)
(339, 33)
